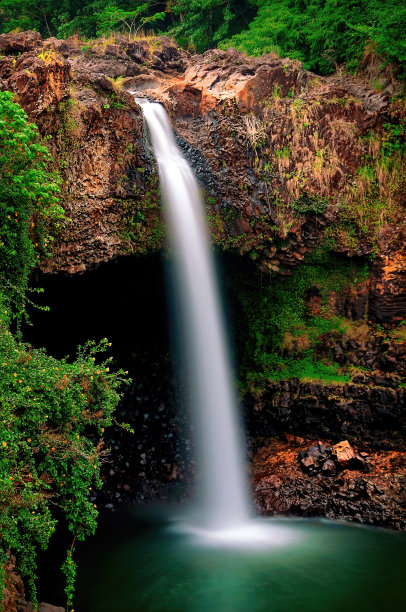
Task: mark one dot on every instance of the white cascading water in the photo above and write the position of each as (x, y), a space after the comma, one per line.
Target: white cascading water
(224, 497)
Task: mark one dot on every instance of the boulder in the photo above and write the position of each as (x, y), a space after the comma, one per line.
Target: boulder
(40, 82)
(343, 453)
(309, 464)
(328, 460)
(376, 498)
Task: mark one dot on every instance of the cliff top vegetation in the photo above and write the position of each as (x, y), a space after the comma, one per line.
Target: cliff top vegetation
(323, 34)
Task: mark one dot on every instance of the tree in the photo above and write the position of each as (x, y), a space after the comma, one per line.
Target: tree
(205, 22)
(111, 16)
(65, 17)
(324, 33)
(28, 14)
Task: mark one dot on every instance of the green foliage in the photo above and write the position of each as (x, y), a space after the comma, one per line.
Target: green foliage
(225, 230)
(112, 16)
(394, 138)
(47, 406)
(64, 17)
(205, 22)
(26, 15)
(283, 153)
(375, 196)
(47, 409)
(321, 33)
(117, 101)
(69, 568)
(273, 313)
(324, 33)
(278, 367)
(308, 203)
(142, 228)
(29, 206)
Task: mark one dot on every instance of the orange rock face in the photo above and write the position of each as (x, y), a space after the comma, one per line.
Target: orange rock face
(388, 290)
(40, 81)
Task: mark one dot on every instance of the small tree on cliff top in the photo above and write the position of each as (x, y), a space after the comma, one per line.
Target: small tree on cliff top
(111, 16)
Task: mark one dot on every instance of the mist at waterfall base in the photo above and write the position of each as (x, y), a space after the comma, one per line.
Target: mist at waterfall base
(219, 558)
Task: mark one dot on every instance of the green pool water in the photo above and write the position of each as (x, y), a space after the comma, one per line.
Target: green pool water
(306, 565)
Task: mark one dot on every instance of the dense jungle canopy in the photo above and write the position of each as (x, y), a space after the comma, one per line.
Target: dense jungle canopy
(321, 33)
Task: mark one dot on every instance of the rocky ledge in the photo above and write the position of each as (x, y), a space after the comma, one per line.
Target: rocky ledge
(344, 492)
(367, 412)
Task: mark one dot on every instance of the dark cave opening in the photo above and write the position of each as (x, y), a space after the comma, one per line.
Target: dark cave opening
(123, 300)
(126, 300)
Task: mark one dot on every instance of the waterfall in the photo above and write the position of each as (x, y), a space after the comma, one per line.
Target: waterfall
(224, 500)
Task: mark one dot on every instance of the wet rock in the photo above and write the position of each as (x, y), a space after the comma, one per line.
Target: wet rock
(359, 411)
(160, 447)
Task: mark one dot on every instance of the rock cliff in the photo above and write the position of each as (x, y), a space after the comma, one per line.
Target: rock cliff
(289, 162)
(287, 159)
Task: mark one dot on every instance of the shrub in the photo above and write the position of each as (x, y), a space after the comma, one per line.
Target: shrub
(48, 408)
(29, 205)
(310, 204)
